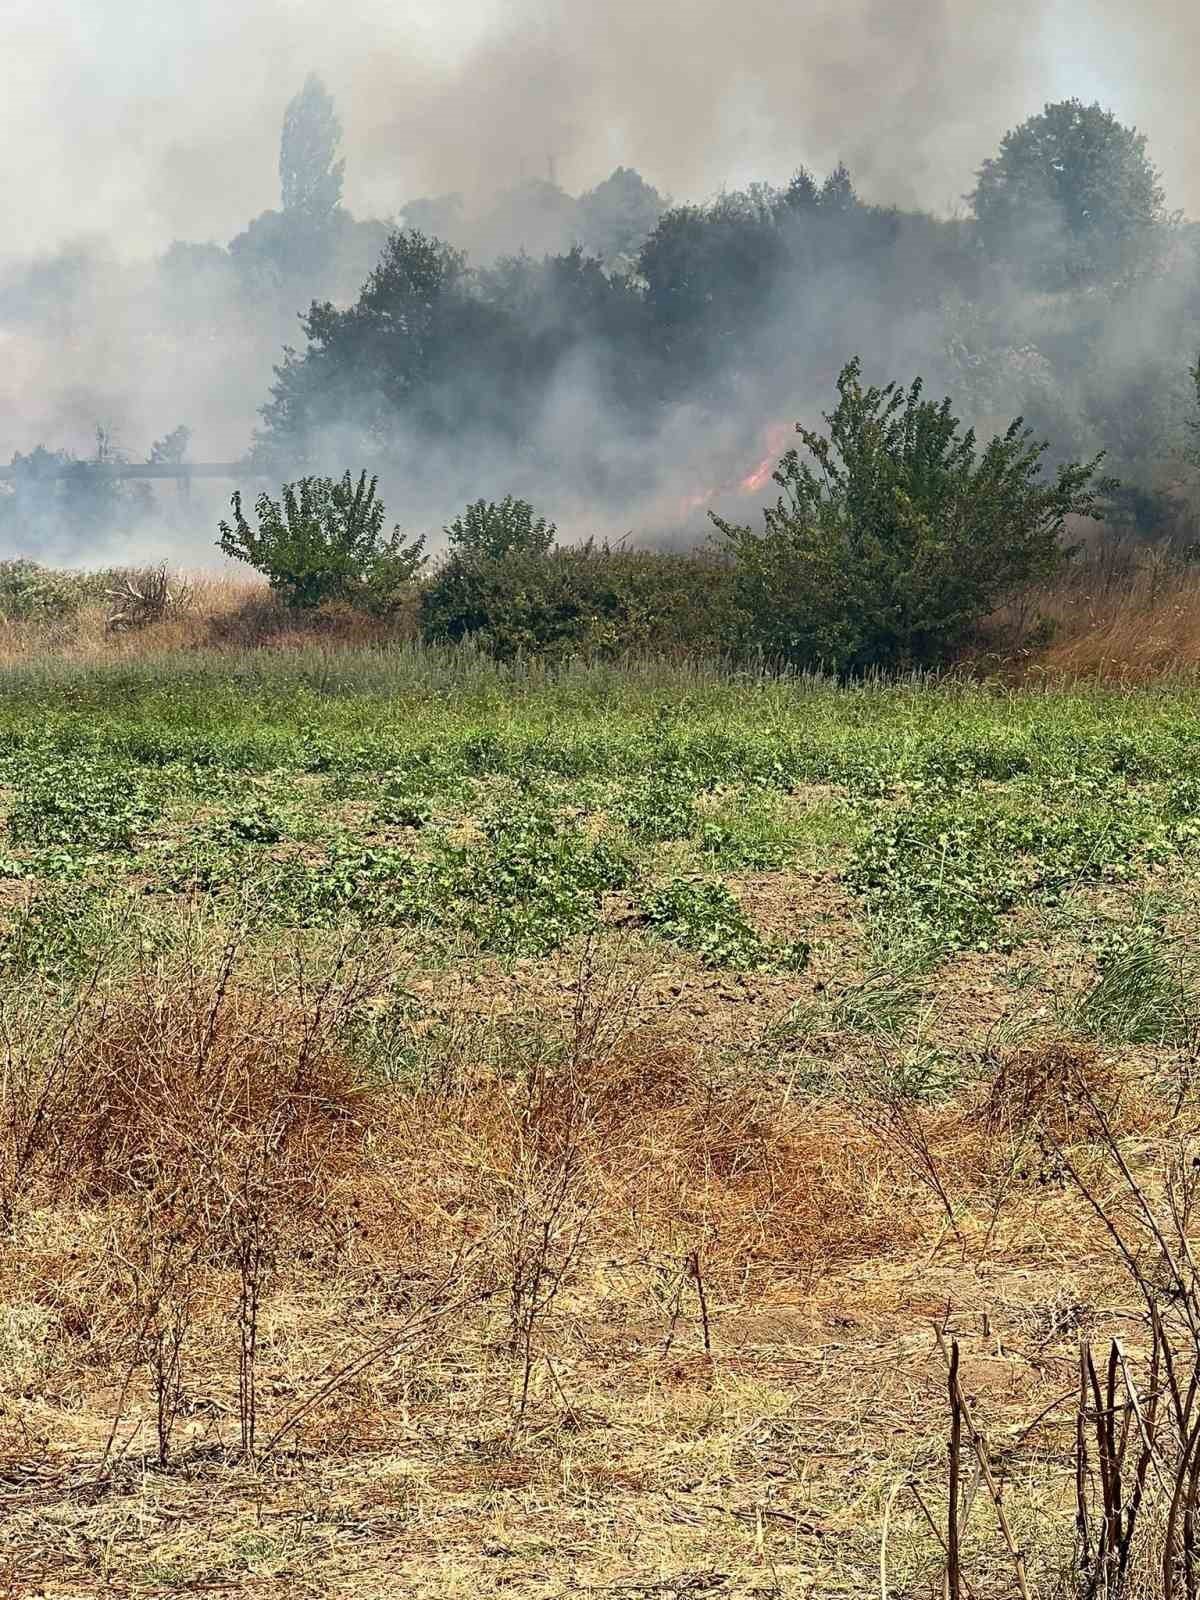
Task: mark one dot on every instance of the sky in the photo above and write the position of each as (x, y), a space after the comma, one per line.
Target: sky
(140, 121)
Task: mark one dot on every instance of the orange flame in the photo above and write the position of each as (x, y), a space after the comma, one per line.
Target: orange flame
(761, 476)
(773, 443)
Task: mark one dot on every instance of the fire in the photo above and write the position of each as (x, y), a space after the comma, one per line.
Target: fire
(774, 443)
(758, 479)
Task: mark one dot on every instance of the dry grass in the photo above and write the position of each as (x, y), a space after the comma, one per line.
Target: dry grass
(224, 613)
(598, 1315)
(1119, 612)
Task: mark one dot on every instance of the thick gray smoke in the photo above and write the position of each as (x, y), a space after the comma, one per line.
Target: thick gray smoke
(129, 126)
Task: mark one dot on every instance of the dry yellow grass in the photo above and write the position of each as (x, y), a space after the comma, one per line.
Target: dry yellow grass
(612, 1317)
(1119, 613)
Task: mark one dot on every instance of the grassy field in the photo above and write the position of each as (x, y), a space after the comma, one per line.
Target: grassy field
(468, 1131)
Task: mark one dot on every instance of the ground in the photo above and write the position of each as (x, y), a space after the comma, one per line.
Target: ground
(469, 1131)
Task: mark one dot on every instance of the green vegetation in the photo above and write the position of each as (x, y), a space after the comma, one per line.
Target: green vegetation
(31, 592)
(323, 540)
(511, 809)
(898, 537)
(580, 600)
(704, 917)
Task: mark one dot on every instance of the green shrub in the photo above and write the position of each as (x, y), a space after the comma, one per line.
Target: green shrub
(900, 536)
(324, 540)
(255, 826)
(30, 592)
(587, 599)
(489, 532)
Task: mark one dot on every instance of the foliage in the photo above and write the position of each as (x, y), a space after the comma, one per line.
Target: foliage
(585, 599)
(257, 826)
(524, 887)
(618, 215)
(69, 802)
(529, 885)
(1071, 197)
(310, 175)
(703, 916)
(486, 531)
(663, 805)
(323, 540)
(32, 592)
(417, 346)
(172, 448)
(942, 872)
(900, 535)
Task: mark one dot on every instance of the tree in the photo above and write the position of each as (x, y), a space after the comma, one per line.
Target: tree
(310, 173)
(375, 363)
(898, 535)
(710, 272)
(486, 531)
(323, 540)
(1072, 198)
(172, 448)
(619, 215)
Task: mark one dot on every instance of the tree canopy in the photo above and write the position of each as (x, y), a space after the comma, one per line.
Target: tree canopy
(1072, 197)
(310, 173)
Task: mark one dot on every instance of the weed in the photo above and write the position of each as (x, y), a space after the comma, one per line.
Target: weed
(703, 916)
(402, 806)
(1146, 990)
(663, 805)
(81, 805)
(259, 826)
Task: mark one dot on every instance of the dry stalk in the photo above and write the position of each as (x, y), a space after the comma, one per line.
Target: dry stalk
(979, 1446)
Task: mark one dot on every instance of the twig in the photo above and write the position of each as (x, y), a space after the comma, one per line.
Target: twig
(977, 1444)
(883, 1536)
(953, 1568)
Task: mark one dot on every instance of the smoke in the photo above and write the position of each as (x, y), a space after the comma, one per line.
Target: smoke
(129, 126)
(144, 123)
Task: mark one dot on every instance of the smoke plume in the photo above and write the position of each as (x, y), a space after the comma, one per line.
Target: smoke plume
(130, 126)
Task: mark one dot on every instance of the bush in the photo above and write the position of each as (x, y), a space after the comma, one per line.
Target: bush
(902, 536)
(324, 541)
(588, 599)
(30, 592)
(489, 532)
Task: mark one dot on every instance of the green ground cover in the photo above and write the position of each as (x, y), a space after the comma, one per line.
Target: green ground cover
(508, 810)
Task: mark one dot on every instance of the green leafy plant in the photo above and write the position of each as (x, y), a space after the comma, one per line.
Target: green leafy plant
(586, 599)
(663, 805)
(32, 592)
(323, 540)
(529, 885)
(487, 531)
(256, 826)
(69, 802)
(898, 535)
(704, 916)
(401, 807)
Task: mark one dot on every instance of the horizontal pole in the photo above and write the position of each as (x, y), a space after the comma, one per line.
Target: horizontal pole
(133, 469)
